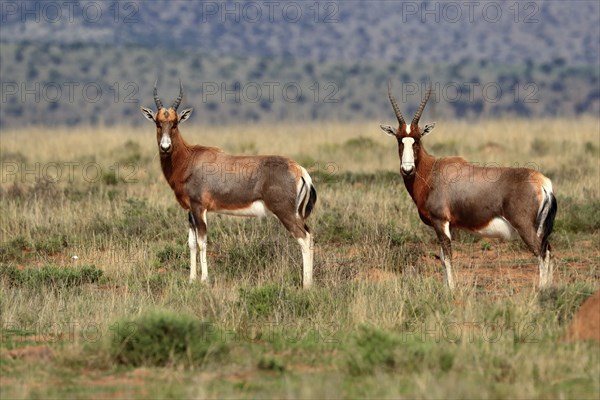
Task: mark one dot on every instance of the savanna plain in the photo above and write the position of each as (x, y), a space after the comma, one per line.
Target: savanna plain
(95, 300)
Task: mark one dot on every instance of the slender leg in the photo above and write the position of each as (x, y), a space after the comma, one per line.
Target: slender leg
(192, 242)
(443, 233)
(202, 245)
(197, 239)
(528, 233)
(307, 260)
(295, 225)
(546, 269)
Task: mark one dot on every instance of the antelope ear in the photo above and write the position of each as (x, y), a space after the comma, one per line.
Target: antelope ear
(185, 114)
(428, 128)
(388, 130)
(148, 113)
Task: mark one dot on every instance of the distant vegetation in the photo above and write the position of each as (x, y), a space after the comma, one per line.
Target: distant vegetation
(98, 84)
(275, 61)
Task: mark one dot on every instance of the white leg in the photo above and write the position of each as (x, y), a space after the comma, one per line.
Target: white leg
(202, 246)
(192, 242)
(307, 260)
(448, 275)
(203, 264)
(546, 270)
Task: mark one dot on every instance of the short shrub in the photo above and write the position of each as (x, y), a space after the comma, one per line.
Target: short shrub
(52, 244)
(540, 147)
(564, 302)
(265, 301)
(16, 249)
(173, 256)
(578, 217)
(50, 276)
(166, 338)
(374, 351)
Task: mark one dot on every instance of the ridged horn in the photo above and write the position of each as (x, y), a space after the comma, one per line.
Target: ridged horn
(177, 102)
(417, 116)
(395, 104)
(156, 99)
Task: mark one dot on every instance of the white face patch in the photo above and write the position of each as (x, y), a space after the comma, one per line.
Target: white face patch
(408, 129)
(165, 142)
(408, 156)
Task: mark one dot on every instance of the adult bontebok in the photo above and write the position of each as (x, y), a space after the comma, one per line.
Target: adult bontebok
(494, 202)
(205, 179)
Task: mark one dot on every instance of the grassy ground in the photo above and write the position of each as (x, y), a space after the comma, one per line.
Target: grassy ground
(94, 298)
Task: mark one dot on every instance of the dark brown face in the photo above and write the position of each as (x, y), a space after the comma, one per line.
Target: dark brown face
(409, 145)
(409, 142)
(408, 136)
(166, 124)
(166, 120)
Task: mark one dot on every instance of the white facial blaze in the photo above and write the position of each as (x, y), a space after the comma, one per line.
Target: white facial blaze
(165, 142)
(408, 156)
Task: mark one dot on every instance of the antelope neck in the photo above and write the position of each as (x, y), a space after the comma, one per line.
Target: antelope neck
(418, 184)
(174, 164)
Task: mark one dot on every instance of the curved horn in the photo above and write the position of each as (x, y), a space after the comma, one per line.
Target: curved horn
(177, 102)
(417, 117)
(395, 104)
(156, 99)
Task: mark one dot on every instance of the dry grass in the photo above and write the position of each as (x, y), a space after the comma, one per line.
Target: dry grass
(376, 267)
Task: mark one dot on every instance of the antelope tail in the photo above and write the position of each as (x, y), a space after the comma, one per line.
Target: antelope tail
(307, 195)
(546, 215)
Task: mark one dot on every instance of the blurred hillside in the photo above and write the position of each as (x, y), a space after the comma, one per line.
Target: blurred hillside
(95, 62)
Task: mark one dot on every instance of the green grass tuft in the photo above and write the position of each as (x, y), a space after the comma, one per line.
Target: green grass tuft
(50, 276)
(166, 338)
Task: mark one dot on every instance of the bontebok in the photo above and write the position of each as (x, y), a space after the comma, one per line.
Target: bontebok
(493, 202)
(205, 179)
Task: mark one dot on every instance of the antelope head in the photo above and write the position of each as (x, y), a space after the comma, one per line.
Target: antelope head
(408, 135)
(166, 120)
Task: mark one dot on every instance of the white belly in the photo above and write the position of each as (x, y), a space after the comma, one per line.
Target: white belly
(498, 228)
(256, 209)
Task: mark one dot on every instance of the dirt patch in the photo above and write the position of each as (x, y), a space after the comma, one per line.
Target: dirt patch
(375, 275)
(586, 323)
(509, 268)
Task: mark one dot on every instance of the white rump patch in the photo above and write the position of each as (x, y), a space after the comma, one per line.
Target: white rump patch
(498, 228)
(408, 156)
(256, 209)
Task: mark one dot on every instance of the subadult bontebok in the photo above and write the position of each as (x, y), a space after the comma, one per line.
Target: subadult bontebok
(205, 179)
(490, 201)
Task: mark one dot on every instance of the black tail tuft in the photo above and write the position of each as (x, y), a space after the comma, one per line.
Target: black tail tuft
(311, 202)
(549, 210)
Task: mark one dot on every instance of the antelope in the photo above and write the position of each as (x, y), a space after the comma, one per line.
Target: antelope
(206, 179)
(452, 193)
